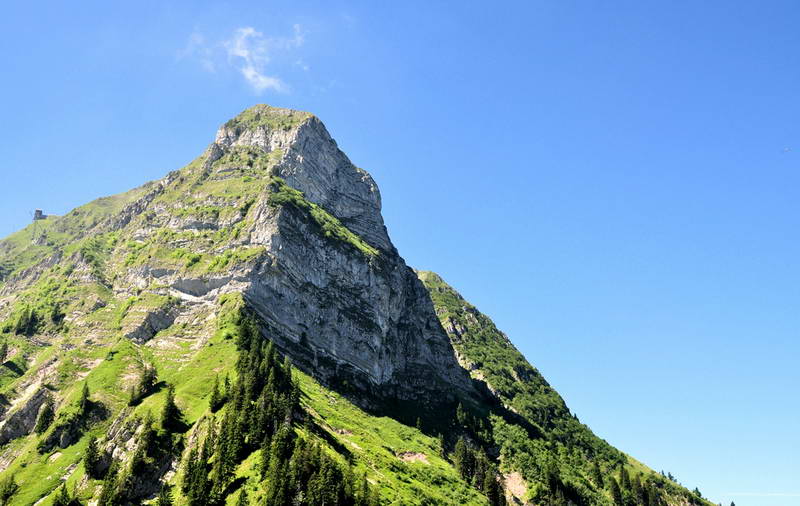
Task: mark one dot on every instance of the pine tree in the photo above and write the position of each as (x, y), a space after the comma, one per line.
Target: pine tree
(133, 395)
(188, 472)
(624, 478)
(616, 493)
(198, 493)
(492, 488)
(636, 489)
(597, 475)
(482, 466)
(109, 496)
(227, 388)
(62, 498)
(463, 459)
(145, 385)
(92, 459)
(216, 401)
(45, 418)
(147, 436)
(84, 403)
(170, 414)
(148, 380)
(3, 350)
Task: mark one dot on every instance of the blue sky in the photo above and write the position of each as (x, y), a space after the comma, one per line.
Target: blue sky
(616, 184)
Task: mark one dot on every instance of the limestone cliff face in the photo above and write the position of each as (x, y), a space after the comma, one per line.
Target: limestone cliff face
(311, 162)
(361, 321)
(339, 313)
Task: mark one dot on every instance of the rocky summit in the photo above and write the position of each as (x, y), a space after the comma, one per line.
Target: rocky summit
(243, 331)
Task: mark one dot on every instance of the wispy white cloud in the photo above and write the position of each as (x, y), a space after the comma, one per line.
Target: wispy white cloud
(197, 48)
(249, 52)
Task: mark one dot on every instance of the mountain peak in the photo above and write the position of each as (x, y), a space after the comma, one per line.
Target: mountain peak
(267, 116)
(309, 160)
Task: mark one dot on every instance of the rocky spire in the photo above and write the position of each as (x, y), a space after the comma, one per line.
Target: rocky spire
(312, 163)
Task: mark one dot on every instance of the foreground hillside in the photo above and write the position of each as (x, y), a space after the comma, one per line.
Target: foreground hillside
(243, 331)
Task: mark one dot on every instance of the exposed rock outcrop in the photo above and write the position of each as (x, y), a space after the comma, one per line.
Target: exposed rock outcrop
(149, 322)
(22, 421)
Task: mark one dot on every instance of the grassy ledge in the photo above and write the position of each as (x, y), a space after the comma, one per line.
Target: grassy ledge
(283, 194)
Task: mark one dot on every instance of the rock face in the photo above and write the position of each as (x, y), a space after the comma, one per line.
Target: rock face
(149, 324)
(357, 320)
(341, 314)
(312, 163)
(23, 420)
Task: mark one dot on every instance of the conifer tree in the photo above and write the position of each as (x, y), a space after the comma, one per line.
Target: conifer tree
(84, 402)
(198, 493)
(170, 414)
(45, 418)
(462, 459)
(3, 350)
(492, 488)
(133, 395)
(637, 490)
(188, 471)
(442, 449)
(92, 459)
(616, 493)
(109, 496)
(216, 401)
(624, 478)
(148, 380)
(597, 475)
(62, 498)
(147, 436)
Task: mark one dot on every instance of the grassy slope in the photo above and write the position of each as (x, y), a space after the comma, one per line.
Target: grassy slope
(564, 445)
(20, 250)
(188, 358)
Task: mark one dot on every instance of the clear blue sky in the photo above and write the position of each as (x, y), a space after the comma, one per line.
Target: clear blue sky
(617, 184)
